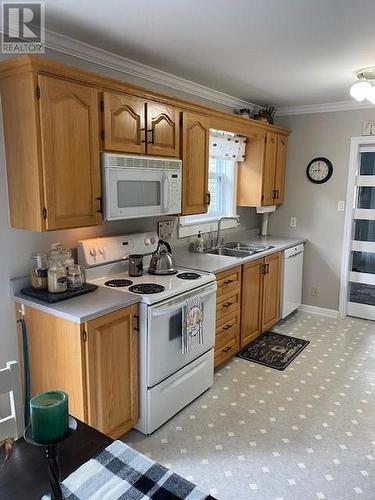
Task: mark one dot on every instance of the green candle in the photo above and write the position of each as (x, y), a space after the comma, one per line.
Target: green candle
(49, 416)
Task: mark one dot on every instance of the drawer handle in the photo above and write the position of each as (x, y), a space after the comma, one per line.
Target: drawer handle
(226, 282)
(226, 349)
(227, 304)
(227, 327)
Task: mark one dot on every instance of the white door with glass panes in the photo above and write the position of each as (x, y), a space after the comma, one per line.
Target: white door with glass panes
(361, 271)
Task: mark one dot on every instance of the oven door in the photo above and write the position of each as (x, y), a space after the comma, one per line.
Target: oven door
(164, 334)
(131, 193)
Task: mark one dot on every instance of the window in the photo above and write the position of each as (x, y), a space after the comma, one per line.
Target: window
(221, 185)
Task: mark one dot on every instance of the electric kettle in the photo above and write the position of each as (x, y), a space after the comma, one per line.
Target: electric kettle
(162, 261)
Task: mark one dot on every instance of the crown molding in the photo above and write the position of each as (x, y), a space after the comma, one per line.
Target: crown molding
(104, 58)
(327, 107)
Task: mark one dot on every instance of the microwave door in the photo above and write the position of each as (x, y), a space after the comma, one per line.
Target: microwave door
(133, 193)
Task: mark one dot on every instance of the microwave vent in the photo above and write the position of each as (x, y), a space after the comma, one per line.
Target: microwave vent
(133, 162)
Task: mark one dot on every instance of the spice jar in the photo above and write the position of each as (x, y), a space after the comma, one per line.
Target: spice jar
(57, 281)
(39, 270)
(75, 277)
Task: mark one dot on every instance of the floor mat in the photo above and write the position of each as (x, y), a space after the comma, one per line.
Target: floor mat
(273, 350)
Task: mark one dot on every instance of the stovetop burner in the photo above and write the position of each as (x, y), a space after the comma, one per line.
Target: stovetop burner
(188, 276)
(147, 288)
(118, 283)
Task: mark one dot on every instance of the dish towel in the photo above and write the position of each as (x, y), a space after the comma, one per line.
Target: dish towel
(122, 472)
(192, 323)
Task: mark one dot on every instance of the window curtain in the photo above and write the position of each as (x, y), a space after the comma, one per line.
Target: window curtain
(227, 146)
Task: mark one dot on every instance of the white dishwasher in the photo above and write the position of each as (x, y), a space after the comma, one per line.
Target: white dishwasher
(291, 279)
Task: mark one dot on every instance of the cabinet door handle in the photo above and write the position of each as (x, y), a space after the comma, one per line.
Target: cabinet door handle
(227, 304)
(208, 199)
(263, 270)
(226, 349)
(226, 282)
(267, 269)
(274, 193)
(143, 134)
(100, 200)
(151, 131)
(227, 327)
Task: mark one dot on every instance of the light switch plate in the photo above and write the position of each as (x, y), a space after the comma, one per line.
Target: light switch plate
(165, 229)
(293, 222)
(341, 206)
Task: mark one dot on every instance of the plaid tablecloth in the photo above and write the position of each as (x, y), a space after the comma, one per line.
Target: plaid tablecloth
(120, 472)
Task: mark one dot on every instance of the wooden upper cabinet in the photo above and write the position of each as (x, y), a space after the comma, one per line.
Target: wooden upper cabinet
(269, 169)
(261, 176)
(162, 129)
(281, 153)
(195, 138)
(134, 125)
(70, 150)
(271, 291)
(112, 372)
(124, 123)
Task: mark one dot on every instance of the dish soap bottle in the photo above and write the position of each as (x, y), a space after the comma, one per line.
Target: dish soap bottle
(199, 243)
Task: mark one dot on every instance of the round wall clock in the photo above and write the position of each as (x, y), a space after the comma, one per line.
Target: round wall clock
(319, 170)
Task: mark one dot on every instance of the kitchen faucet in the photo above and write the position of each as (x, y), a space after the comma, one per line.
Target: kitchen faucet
(234, 217)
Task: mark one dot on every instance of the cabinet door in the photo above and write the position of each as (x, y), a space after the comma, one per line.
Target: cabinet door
(281, 152)
(112, 372)
(70, 149)
(195, 137)
(124, 123)
(251, 306)
(269, 169)
(162, 129)
(271, 291)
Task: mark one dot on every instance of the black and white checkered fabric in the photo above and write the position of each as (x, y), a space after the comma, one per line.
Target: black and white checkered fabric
(120, 472)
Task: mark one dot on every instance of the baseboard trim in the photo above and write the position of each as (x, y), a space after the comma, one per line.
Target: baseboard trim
(321, 311)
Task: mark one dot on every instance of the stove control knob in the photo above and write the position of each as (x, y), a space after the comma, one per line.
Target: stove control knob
(147, 242)
(153, 240)
(93, 252)
(101, 250)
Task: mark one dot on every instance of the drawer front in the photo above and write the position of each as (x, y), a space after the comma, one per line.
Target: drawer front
(226, 330)
(228, 281)
(226, 351)
(228, 305)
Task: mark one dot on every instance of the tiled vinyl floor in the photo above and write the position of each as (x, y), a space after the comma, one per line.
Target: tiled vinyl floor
(307, 432)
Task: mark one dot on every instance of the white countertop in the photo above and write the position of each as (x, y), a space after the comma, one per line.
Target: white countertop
(217, 263)
(84, 307)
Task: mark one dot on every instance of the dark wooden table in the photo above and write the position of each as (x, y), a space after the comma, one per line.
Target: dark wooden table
(25, 475)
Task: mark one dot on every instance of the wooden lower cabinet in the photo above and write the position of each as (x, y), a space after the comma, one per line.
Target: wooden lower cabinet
(251, 304)
(96, 363)
(247, 304)
(271, 291)
(228, 305)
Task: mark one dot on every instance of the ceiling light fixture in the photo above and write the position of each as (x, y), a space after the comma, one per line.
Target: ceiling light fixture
(364, 88)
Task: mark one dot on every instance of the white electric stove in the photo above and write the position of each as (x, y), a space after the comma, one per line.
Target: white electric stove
(169, 378)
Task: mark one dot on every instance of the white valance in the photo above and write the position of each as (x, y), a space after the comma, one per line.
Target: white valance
(227, 146)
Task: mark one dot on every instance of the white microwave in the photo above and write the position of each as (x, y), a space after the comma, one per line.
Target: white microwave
(140, 186)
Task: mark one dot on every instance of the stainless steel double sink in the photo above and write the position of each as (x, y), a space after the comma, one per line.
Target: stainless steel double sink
(239, 249)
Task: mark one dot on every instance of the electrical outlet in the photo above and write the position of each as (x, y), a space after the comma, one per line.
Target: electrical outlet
(165, 229)
(341, 206)
(315, 291)
(293, 222)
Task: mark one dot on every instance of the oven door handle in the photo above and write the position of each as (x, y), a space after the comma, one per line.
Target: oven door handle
(165, 194)
(176, 307)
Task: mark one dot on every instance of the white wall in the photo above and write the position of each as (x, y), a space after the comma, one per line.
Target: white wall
(315, 206)
(18, 245)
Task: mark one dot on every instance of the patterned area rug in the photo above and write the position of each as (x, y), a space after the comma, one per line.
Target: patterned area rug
(273, 350)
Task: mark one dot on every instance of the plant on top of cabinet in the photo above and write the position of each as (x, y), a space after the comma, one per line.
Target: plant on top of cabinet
(134, 125)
